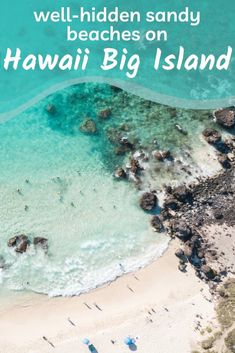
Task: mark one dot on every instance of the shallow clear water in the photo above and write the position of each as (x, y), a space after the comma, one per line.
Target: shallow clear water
(95, 227)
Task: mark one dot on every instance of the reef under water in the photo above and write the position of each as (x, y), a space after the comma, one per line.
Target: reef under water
(58, 161)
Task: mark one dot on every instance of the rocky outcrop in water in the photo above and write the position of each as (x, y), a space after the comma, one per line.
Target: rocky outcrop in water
(224, 161)
(212, 136)
(22, 242)
(88, 126)
(19, 242)
(105, 113)
(41, 242)
(161, 155)
(148, 201)
(225, 117)
(157, 224)
(120, 173)
(225, 148)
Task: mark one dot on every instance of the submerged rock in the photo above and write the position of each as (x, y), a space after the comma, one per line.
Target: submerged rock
(212, 136)
(225, 117)
(181, 130)
(2, 262)
(105, 113)
(42, 242)
(51, 109)
(125, 142)
(88, 126)
(156, 223)
(120, 173)
(148, 201)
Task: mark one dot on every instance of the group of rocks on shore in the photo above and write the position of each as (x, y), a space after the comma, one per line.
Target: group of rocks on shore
(184, 209)
(225, 118)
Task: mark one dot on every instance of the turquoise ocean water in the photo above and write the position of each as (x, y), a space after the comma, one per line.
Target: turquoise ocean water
(95, 228)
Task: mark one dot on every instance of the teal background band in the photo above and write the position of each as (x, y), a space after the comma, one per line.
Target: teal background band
(189, 86)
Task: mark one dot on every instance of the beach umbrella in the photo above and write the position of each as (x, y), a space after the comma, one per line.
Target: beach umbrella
(128, 341)
(86, 341)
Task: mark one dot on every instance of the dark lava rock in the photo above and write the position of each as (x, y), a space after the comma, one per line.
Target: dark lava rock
(218, 215)
(105, 113)
(20, 242)
(168, 189)
(223, 159)
(40, 241)
(121, 150)
(181, 229)
(124, 146)
(166, 154)
(134, 166)
(225, 117)
(156, 223)
(12, 241)
(182, 193)
(182, 267)
(120, 173)
(158, 156)
(148, 201)
(88, 126)
(165, 214)
(208, 271)
(212, 136)
(179, 253)
(171, 202)
(161, 155)
(125, 142)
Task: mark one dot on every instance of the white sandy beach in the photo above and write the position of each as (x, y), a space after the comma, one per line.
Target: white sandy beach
(158, 305)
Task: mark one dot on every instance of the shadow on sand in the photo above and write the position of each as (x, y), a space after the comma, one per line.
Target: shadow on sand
(92, 348)
(133, 347)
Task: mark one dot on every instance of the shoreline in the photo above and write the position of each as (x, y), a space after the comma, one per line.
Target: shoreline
(155, 252)
(106, 319)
